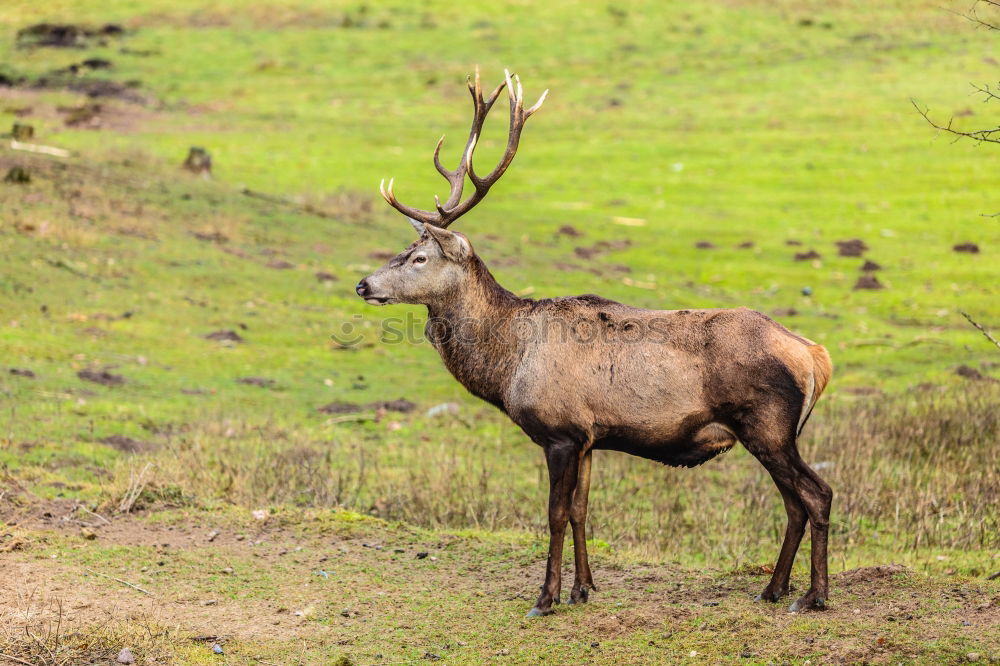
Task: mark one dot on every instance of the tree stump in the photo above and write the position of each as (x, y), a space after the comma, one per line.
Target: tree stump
(22, 132)
(199, 161)
(18, 176)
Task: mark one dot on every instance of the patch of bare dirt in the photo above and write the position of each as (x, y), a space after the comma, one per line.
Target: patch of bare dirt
(22, 372)
(865, 575)
(126, 444)
(401, 405)
(807, 256)
(973, 374)
(262, 382)
(602, 247)
(569, 230)
(227, 335)
(102, 377)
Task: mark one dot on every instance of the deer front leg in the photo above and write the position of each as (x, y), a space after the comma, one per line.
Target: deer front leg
(583, 581)
(562, 458)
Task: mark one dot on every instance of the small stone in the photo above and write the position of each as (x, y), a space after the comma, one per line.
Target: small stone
(88, 533)
(973, 657)
(210, 602)
(125, 657)
(217, 649)
(212, 535)
(422, 554)
(227, 570)
(595, 644)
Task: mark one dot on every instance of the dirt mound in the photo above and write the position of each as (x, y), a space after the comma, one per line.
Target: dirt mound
(807, 256)
(852, 248)
(968, 248)
(66, 35)
(863, 575)
(870, 266)
(868, 282)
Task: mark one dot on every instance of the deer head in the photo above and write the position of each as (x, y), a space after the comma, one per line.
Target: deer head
(437, 263)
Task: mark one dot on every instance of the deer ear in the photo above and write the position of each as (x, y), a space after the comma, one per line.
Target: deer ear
(454, 246)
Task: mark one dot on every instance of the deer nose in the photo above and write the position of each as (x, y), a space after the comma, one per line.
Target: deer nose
(362, 288)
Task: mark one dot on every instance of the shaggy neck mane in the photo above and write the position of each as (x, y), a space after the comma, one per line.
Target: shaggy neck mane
(471, 327)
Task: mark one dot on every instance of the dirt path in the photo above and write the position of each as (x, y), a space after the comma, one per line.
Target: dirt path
(376, 594)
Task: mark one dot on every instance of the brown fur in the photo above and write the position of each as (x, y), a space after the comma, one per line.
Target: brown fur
(582, 373)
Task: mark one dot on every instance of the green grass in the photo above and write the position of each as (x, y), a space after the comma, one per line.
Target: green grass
(726, 122)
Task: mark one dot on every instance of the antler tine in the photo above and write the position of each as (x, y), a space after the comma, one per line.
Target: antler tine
(537, 105)
(454, 207)
(437, 159)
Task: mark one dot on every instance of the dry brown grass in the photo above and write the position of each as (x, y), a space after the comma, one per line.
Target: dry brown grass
(908, 472)
(38, 632)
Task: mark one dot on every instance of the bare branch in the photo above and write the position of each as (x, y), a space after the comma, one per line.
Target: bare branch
(981, 328)
(974, 16)
(991, 135)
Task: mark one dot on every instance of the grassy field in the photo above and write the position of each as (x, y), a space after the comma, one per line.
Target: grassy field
(175, 338)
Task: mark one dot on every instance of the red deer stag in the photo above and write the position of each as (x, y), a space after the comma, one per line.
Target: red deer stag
(584, 373)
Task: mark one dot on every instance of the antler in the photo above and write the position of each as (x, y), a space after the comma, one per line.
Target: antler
(454, 207)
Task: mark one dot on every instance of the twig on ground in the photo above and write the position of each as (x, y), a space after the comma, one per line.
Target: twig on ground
(119, 580)
(15, 659)
(981, 328)
(38, 148)
(86, 510)
(993, 576)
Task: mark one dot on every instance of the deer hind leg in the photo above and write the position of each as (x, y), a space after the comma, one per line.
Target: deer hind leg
(778, 587)
(583, 581)
(807, 497)
(563, 458)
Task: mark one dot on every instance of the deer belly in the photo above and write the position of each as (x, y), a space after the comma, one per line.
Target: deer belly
(685, 447)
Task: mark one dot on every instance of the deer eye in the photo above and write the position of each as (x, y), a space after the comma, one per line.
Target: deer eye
(420, 259)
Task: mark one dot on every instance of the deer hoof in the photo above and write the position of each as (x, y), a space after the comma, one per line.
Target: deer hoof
(538, 612)
(769, 596)
(808, 602)
(579, 596)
